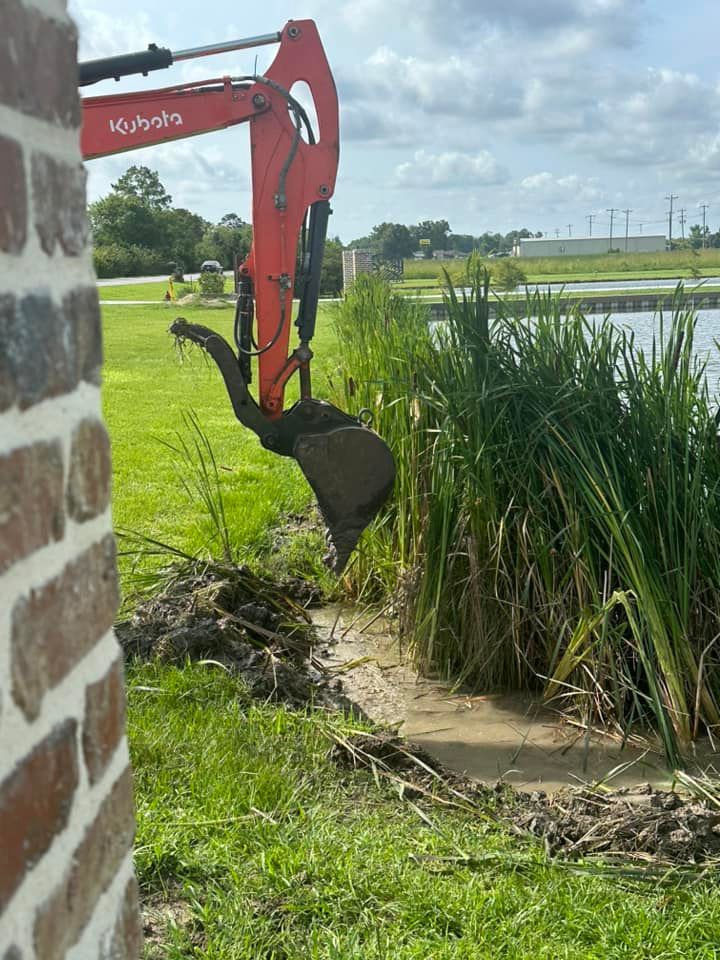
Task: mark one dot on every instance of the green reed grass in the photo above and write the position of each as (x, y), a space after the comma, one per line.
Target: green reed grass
(556, 518)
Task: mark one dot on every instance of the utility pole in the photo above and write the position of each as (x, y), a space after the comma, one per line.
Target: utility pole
(612, 211)
(627, 225)
(590, 217)
(682, 221)
(673, 196)
(557, 232)
(569, 226)
(703, 207)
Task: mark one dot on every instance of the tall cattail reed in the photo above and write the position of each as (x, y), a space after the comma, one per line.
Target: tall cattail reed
(556, 519)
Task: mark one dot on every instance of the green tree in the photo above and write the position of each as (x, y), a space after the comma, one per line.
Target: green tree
(124, 220)
(232, 220)
(331, 276)
(436, 231)
(144, 184)
(391, 241)
(696, 236)
(181, 232)
(220, 242)
(462, 242)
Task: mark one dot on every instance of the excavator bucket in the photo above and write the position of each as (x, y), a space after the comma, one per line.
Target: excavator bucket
(351, 472)
(348, 466)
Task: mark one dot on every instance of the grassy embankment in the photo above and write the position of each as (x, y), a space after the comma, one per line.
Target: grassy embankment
(556, 520)
(252, 844)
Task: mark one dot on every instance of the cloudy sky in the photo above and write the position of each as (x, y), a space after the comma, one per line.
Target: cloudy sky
(492, 114)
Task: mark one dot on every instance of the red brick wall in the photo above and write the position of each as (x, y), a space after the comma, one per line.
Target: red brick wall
(67, 886)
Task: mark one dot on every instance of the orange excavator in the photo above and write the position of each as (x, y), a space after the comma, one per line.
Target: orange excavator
(348, 466)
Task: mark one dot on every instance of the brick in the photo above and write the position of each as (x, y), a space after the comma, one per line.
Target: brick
(35, 802)
(57, 624)
(31, 500)
(127, 940)
(82, 311)
(89, 478)
(38, 70)
(104, 723)
(39, 350)
(59, 204)
(45, 350)
(61, 919)
(7, 372)
(13, 197)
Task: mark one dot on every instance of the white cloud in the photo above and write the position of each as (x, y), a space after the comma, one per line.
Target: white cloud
(451, 169)
(450, 85)
(106, 34)
(551, 191)
(585, 23)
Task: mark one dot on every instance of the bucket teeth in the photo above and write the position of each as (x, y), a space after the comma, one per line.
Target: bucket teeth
(351, 472)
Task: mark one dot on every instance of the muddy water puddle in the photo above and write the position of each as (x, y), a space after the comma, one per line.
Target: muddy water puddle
(489, 737)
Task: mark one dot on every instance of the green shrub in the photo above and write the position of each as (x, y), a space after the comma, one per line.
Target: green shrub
(211, 284)
(507, 274)
(119, 260)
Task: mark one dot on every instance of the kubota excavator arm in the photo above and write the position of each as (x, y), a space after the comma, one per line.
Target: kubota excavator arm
(348, 466)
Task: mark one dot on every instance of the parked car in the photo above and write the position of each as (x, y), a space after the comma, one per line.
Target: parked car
(211, 266)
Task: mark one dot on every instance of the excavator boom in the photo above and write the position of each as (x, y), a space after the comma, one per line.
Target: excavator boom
(294, 167)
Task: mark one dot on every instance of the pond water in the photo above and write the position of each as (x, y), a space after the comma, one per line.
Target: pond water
(707, 332)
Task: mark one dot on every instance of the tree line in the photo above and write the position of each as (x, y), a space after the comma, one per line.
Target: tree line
(137, 230)
(397, 241)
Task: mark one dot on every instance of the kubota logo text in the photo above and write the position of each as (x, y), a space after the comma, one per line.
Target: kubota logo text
(160, 120)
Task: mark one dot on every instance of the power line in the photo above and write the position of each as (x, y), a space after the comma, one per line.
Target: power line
(703, 207)
(673, 196)
(627, 224)
(612, 211)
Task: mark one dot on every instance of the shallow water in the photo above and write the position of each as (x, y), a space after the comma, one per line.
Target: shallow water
(488, 737)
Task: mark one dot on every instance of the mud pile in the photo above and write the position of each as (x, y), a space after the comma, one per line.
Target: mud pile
(258, 629)
(647, 825)
(643, 823)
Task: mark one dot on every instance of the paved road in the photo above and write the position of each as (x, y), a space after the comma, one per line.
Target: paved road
(126, 281)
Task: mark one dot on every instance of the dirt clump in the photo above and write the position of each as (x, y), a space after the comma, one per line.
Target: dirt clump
(643, 824)
(259, 629)
(663, 825)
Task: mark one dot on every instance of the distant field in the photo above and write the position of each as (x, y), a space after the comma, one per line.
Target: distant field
(640, 266)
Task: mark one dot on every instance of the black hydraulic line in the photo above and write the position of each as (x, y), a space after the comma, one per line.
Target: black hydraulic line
(158, 58)
(108, 68)
(307, 312)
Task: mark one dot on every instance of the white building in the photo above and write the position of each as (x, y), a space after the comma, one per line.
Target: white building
(579, 246)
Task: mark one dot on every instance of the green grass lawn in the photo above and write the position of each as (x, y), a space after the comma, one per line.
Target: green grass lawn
(631, 266)
(146, 291)
(260, 847)
(251, 843)
(147, 388)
